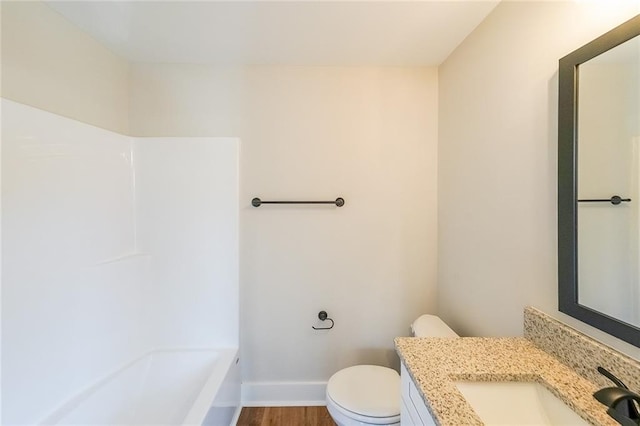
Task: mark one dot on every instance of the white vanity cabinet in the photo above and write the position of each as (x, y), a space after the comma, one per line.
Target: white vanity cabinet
(413, 411)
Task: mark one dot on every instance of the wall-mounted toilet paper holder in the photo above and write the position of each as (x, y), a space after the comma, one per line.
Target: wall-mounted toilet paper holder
(322, 315)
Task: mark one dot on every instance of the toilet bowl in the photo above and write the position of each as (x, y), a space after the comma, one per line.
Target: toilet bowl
(370, 394)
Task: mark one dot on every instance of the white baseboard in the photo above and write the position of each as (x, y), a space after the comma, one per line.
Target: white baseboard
(282, 394)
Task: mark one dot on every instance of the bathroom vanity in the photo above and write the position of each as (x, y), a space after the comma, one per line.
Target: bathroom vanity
(413, 410)
(565, 369)
(433, 366)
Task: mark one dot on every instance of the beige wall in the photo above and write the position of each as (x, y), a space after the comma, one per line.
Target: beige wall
(50, 64)
(186, 100)
(497, 163)
(366, 134)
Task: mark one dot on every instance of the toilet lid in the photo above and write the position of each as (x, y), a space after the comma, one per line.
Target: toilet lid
(368, 390)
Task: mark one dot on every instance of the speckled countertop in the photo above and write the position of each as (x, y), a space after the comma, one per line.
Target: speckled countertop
(435, 363)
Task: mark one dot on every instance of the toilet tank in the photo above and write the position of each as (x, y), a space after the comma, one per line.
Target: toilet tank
(431, 326)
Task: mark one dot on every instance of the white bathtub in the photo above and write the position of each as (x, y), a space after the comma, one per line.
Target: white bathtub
(169, 387)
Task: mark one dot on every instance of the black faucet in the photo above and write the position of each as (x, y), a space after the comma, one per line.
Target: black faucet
(622, 403)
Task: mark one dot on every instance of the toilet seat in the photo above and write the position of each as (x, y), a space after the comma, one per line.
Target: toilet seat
(369, 394)
(343, 416)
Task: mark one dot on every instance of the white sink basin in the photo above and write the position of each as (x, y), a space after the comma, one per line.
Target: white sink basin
(517, 403)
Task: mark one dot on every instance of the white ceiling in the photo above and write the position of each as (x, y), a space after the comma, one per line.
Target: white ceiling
(285, 32)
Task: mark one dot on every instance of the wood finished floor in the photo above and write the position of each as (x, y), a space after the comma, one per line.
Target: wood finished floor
(285, 416)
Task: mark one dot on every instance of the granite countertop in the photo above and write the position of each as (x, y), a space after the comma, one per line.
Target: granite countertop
(435, 363)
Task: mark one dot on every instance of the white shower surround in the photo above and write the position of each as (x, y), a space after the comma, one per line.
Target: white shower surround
(113, 248)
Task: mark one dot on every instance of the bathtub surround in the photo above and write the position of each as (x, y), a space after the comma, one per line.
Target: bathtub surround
(112, 246)
(187, 219)
(74, 292)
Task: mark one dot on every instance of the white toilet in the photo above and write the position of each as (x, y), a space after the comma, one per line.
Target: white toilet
(370, 394)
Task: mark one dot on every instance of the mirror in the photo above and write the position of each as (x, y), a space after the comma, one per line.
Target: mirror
(599, 183)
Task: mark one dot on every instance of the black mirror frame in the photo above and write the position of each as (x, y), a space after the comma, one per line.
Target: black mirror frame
(567, 183)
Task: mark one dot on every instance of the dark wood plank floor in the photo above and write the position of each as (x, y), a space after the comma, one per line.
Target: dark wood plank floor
(285, 416)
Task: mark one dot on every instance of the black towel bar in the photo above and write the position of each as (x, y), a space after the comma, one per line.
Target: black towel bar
(257, 202)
